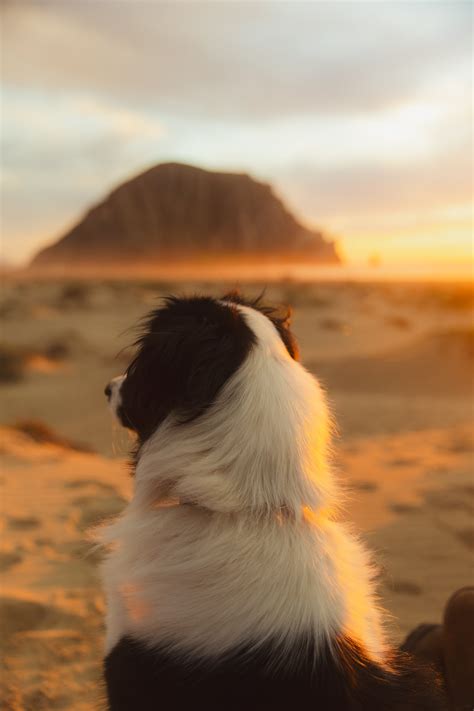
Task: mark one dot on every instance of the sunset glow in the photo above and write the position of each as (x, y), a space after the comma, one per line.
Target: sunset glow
(366, 136)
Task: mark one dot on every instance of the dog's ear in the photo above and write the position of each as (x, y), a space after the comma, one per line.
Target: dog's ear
(189, 349)
(282, 322)
(280, 317)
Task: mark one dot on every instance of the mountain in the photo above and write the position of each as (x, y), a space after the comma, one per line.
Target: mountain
(175, 210)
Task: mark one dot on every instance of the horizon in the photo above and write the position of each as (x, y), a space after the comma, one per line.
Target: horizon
(377, 155)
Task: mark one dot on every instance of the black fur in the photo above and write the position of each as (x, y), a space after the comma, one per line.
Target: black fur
(141, 679)
(281, 321)
(189, 349)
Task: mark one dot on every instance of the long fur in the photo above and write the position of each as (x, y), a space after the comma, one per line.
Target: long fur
(231, 541)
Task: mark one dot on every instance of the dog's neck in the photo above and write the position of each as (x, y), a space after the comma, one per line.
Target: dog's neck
(280, 513)
(207, 582)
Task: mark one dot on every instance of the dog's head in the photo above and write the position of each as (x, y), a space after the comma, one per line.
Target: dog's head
(224, 413)
(189, 349)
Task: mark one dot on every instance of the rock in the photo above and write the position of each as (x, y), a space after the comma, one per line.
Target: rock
(173, 211)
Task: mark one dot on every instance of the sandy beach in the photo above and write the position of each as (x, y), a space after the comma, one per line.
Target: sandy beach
(396, 361)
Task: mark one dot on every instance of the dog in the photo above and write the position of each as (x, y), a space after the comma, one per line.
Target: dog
(230, 582)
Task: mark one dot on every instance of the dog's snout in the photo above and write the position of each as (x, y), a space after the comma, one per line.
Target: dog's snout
(112, 392)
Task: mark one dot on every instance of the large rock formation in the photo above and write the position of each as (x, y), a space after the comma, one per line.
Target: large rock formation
(173, 211)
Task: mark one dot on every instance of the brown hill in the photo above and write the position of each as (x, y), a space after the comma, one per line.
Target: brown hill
(175, 210)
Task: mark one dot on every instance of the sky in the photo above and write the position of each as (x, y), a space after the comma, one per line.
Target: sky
(358, 113)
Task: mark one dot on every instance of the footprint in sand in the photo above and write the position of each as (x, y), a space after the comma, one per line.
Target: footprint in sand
(96, 510)
(42, 699)
(459, 445)
(456, 499)
(44, 541)
(83, 483)
(360, 485)
(402, 508)
(466, 536)
(23, 523)
(81, 550)
(403, 461)
(18, 615)
(405, 587)
(9, 559)
(53, 646)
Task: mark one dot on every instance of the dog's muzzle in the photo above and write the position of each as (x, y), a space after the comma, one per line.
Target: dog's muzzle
(112, 393)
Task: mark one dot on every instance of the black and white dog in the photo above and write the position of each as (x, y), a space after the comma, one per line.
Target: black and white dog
(230, 583)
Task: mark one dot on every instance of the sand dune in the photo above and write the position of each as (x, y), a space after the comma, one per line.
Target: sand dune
(436, 364)
(411, 495)
(397, 364)
(51, 607)
(381, 376)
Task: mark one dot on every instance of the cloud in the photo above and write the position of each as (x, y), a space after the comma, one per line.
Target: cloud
(238, 59)
(394, 209)
(370, 189)
(357, 111)
(124, 123)
(56, 162)
(82, 140)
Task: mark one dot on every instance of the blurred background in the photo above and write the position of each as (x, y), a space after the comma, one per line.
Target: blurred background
(358, 113)
(319, 150)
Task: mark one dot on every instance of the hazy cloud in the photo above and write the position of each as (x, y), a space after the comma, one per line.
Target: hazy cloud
(353, 109)
(242, 59)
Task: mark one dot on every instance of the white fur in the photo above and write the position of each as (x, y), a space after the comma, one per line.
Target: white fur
(115, 397)
(248, 549)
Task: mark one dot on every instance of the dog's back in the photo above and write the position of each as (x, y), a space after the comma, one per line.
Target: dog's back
(232, 585)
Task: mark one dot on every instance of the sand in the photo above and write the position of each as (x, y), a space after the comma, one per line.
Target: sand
(397, 364)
